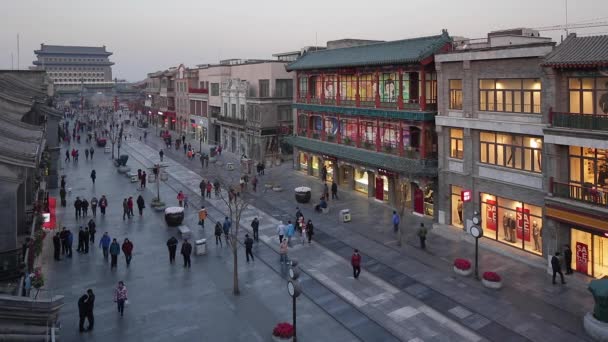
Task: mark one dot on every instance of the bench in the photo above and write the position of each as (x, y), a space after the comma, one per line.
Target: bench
(132, 176)
(184, 231)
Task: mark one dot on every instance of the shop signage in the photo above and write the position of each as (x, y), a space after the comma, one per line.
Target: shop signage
(523, 223)
(466, 195)
(491, 215)
(387, 173)
(329, 158)
(582, 257)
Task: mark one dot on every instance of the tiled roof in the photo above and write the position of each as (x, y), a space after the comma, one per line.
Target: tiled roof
(408, 167)
(77, 50)
(579, 52)
(396, 52)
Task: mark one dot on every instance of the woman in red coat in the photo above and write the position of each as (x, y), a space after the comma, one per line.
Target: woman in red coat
(127, 248)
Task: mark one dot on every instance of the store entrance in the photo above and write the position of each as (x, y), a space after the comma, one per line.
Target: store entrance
(329, 166)
(346, 175)
(379, 188)
(418, 200)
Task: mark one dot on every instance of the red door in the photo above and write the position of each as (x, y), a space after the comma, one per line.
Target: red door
(379, 188)
(418, 201)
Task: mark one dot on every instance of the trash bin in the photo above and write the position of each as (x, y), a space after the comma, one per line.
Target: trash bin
(229, 166)
(345, 215)
(201, 247)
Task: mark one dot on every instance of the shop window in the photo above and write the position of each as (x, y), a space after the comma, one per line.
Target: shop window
(348, 131)
(315, 166)
(510, 95)
(348, 87)
(316, 87)
(264, 86)
(361, 181)
(455, 94)
(457, 207)
(367, 88)
(389, 136)
(410, 87)
(329, 87)
(588, 95)
(588, 174)
(303, 86)
(456, 143)
(431, 87)
(582, 250)
(389, 87)
(368, 133)
(429, 200)
(511, 150)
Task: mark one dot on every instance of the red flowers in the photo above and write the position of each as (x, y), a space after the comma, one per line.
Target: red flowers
(491, 276)
(283, 330)
(462, 264)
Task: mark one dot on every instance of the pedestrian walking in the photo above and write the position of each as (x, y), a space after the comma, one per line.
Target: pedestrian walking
(324, 174)
(92, 230)
(218, 234)
(121, 297)
(103, 204)
(172, 246)
(290, 231)
(203, 186)
(86, 154)
(422, 235)
(93, 175)
(92, 151)
(202, 215)
(77, 207)
(125, 209)
(334, 190)
(141, 204)
(396, 221)
(303, 232)
(281, 231)
(142, 180)
(62, 194)
(85, 241)
(57, 246)
(127, 250)
(70, 241)
(82, 311)
(114, 252)
(186, 252)
(186, 205)
(180, 198)
(310, 230)
(104, 244)
(255, 225)
(355, 261)
(63, 236)
(568, 259)
(89, 309)
(283, 251)
(209, 188)
(249, 247)
(85, 207)
(557, 268)
(326, 191)
(161, 154)
(254, 183)
(226, 227)
(130, 205)
(67, 156)
(80, 247)
(94, 206)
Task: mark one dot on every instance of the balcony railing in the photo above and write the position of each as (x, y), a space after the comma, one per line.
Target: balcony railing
(580, 121)
(231, 120)
(408, 152)
(198, 90)
(582, 193)
(411, 104)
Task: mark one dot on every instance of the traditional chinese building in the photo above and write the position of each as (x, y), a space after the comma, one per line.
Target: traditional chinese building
(365, 112)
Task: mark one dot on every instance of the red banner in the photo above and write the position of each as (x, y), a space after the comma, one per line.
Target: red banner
(582, 257)
(491, 215)
(52, 218)
(523, 223)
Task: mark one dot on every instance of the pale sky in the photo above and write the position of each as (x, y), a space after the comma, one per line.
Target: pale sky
(150, 35)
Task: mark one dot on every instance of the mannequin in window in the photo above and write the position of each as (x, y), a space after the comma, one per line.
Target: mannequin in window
(459, 209)
(505, 227)
(512, 226)
(536, 231)
(602, 175)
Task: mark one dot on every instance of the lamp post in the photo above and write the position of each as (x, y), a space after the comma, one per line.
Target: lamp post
(477, 232)
(294, 290)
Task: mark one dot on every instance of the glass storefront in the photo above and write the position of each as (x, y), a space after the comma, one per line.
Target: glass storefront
(456, 207)
(511, 222)
(315, 166)
(589, 253)
(361, 180)
(303, 161)
(329, 166)
(428, 200)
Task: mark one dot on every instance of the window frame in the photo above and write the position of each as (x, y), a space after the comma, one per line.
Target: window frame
(509, 155)
(455, 94)
(494, 99)
(457, 141)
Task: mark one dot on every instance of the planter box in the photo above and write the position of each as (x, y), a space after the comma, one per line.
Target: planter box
(597, 329)
(174, 216)
(464, 273)
(303, 194)
(491, 284)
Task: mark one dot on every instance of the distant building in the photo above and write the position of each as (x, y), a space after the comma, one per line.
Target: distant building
(70, 67)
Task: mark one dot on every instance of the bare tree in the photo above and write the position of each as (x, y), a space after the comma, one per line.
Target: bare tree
(402, 202)
(236, 204)
(115, 135)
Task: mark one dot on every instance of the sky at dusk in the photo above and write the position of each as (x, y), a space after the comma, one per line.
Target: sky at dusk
(150, 35)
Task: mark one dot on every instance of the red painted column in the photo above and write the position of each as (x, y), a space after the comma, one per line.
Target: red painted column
(339, 134)
(322, 101)
(357, 96)
(378, 140)
(308, 84)
(400, 96)
(400, 139)
(323, 133)
(423, 141)
(298, 87)
(338, 90)
(422, 88)
(377, 95)
(358, 139)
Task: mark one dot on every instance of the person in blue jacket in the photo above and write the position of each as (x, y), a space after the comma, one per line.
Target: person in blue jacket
(70, 241)
(104, 243)
(114, 251)
(290, 231)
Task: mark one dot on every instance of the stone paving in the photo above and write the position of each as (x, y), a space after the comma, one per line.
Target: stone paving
(168, 302)
(527, 308)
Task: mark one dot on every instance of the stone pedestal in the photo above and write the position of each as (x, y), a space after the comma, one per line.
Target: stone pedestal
(598, 330)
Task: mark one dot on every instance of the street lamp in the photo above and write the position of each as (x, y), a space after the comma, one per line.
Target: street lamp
(477, 232)
(294, 290)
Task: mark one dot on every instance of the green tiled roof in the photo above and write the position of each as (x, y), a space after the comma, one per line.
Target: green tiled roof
(408, 167)
(372, 112)
(579, 52)
(396, 52)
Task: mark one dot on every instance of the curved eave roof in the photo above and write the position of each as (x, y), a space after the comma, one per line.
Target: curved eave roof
(579, 52)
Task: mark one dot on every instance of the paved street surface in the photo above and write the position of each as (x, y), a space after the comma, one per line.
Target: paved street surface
(403, 293)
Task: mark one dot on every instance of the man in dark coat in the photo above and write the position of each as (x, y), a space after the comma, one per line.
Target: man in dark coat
(89, 309)
(172, 246)
(568, 259)
(62, 194)
(255, 225)
(186, 252)
(557, 268)
(92, 230)
(80, 240)
(57, 246)
(77, 207)
(248, 247)
(63, 236)
(85, 240)
(334, 190)
(82, 311)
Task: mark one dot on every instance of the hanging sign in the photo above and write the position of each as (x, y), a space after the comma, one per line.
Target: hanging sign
(466, 195)
(523, 223)
(582, 257)
(491, 215)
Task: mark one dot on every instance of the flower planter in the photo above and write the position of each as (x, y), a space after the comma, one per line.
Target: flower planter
(492, 284)
(464, 273)
(279, 339)
(303, 194)
(174, 216)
